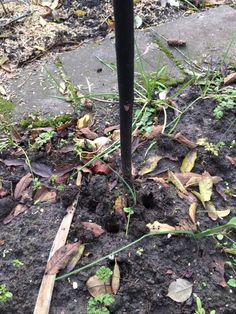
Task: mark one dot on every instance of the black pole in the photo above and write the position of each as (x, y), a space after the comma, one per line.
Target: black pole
(124, 31)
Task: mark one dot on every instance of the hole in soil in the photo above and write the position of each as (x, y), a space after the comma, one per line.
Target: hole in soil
(148, 200)
(112, 224)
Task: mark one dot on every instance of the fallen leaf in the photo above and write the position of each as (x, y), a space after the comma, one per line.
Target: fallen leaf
(173, 42)
(199, 196)
(138, 21)
(154, 131)
(115, 280)
(3, 192)
(218, 271)
(13, 162)
(94, 228)
(22, 185)
(84, 122)
(96, 287)
(190, 198)
(79, 178)
(159, 180)
(192, 212)
(180, 290)
(230, 79)
(101, 142)
(41, 169)
(150, 165)
(179, 137)
(20, 208)
(188, 162)
(156, 226)
(173, 179)
(214, 214)
(111, 129)
(80, 13)
(186, 224)
(66, 168)
(120, 203)
(205, 187)
(75, 259)
(87, 133)
(231, 159)
(100, 168)
(61, 258)
(44, 195)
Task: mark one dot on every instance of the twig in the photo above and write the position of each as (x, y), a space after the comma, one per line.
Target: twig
(25, 14)
(46, 289)
(4, 8)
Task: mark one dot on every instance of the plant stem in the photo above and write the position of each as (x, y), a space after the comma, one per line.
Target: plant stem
(124, 30)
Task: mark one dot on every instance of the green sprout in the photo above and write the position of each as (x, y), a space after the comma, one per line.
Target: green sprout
(103, 273)
(200, 309)
(5, 295)
(42, 139)
(129, 211)
(17, 263)
(98, 305)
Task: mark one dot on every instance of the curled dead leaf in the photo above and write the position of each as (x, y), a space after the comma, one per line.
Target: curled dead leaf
(155, 130)
(192, 212)
(189, 162)
(150, 165)
(93, 227)
(96, 287)
(20, 208)
(115, 280)
(173, 179)
(61, 258)
(75, 259)
(230, 79)
(156, 226)
(120, 203)
(179, 137)
(22, 185)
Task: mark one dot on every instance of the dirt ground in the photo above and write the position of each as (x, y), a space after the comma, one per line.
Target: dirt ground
(145, 277)
(148, 268)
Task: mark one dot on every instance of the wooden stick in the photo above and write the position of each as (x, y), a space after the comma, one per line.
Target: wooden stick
(46, 289)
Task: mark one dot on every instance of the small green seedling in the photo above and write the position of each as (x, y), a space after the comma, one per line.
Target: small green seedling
(129, 211)
(103, 273)
(36, 184)
(200, 309)
(232, 282)
(98, 305)
(42, 139)
(5, 295)
(17, 263)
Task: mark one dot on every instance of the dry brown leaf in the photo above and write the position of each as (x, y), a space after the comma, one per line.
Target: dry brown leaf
(150, 165)
(179, 137)
(186, 225)
(111, 129)
(93, 227)
(44, 195)
(190, 198)
(173, 42)
(61, 258)
(155, 130)
(231, 159)
(74, 261)
(230, 79)
(20, 208)
(214, 214)
(173, 179)
(218, 270)
(86, 132)
(96, 287)
(120, 203)
(159, 180)
(192, 212)
(22, 185)
(199, 196)
(115, 280)
(79, 177)
(156, 226)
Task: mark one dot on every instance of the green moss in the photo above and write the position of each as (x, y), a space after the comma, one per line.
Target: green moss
(170, 55)
(41, 123)
(6, 107)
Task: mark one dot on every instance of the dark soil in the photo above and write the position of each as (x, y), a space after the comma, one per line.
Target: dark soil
(145, 277)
